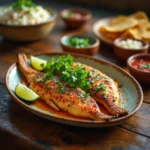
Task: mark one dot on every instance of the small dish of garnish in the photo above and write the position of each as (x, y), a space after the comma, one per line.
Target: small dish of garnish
(80, 44)
(125, 47)
(31, 21)
(139, 67)
(76, 17)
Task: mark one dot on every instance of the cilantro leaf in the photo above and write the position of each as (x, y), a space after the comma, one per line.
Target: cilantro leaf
(21, 3)
(146, 66)
(73, 77)
(101, 86)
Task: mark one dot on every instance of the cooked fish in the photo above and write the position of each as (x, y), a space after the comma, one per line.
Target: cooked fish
(105, 91)
(58, 95)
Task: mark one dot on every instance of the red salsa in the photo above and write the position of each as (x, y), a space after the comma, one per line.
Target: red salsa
(141, 64)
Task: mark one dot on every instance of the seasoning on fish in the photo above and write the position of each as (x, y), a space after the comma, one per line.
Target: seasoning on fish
(59, 95)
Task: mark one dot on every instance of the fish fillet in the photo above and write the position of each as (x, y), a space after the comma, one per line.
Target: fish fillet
(109, 96)
(71, 101)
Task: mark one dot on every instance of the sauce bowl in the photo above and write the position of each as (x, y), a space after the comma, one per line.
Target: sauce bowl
(74, 22)
(141, 76)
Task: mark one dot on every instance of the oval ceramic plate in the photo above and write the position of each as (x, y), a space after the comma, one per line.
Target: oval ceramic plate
(96, 27)
(131, 92)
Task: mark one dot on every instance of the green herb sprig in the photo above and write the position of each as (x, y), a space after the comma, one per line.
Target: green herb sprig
(58, 65)
(79, 42)
(146, 66)
(20, 4)
(62, 66)
(76, 78)
(101, 86)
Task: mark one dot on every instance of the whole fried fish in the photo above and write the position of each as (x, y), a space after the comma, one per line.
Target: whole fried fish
(58, 95)
(104, 90)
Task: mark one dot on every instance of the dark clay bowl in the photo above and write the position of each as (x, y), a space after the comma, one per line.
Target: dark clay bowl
(73, 22)
(124, 53)
(141, 76)
(90, 50)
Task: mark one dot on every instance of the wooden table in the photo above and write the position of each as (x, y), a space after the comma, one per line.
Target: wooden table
(20, 129)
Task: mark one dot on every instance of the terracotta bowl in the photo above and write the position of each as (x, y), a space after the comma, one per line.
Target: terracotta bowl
(28, 32)
(73, 22)
(141, 76)
(90, 50)
(124, 53)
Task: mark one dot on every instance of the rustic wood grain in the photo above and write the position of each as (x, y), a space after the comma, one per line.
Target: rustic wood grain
(140, 122)
(8, 141)
(32, 132)
(16, 120)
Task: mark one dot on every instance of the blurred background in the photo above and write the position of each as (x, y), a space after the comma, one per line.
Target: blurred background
(124, 6)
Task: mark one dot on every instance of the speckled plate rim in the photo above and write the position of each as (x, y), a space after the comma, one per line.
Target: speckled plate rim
(96, 26)
(77, 122)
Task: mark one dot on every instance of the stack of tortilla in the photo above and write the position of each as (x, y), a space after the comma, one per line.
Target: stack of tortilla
(135, 26)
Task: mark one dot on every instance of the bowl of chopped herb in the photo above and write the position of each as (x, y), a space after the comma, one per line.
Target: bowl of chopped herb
(26, 21)
(80, 44)
(75, 17)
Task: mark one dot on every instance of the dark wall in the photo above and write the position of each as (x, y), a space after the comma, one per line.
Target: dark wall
(128, 6)
(118, 5)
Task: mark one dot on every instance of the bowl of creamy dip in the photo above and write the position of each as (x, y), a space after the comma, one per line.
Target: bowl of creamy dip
(126, 47)
(26, 21)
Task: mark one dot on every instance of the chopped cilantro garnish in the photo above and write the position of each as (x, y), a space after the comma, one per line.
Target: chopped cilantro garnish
(76, 78)
(146, 66)
(107, 79)
(104, 93)
(84, 101)
(62, 66)
(20, 4)
(96, 78)
(84, 95)
(48, 75)
(58, 65)
(42, 65)
(61, 89)
(101, 86)
(79, 42)
(90, 74)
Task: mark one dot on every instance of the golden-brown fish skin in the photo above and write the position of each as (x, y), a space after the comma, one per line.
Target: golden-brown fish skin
(71, 100)
(108, 95)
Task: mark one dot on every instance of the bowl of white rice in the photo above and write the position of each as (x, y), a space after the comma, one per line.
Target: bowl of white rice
(25, 21)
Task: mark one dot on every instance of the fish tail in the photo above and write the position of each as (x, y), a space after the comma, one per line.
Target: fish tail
(113, 109)
(103, 117)
(25, 68)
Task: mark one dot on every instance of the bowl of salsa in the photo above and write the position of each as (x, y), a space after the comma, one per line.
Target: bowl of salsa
(75, 17)
(81, 44)
(139, 67)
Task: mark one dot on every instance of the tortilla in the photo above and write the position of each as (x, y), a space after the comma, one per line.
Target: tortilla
(118, 20)
(136, 26)
(146, 35)
(122, 26)
(140, 15)
(132, 33)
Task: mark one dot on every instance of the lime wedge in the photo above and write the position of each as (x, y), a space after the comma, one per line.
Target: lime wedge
(37, 62)
(25, 93)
